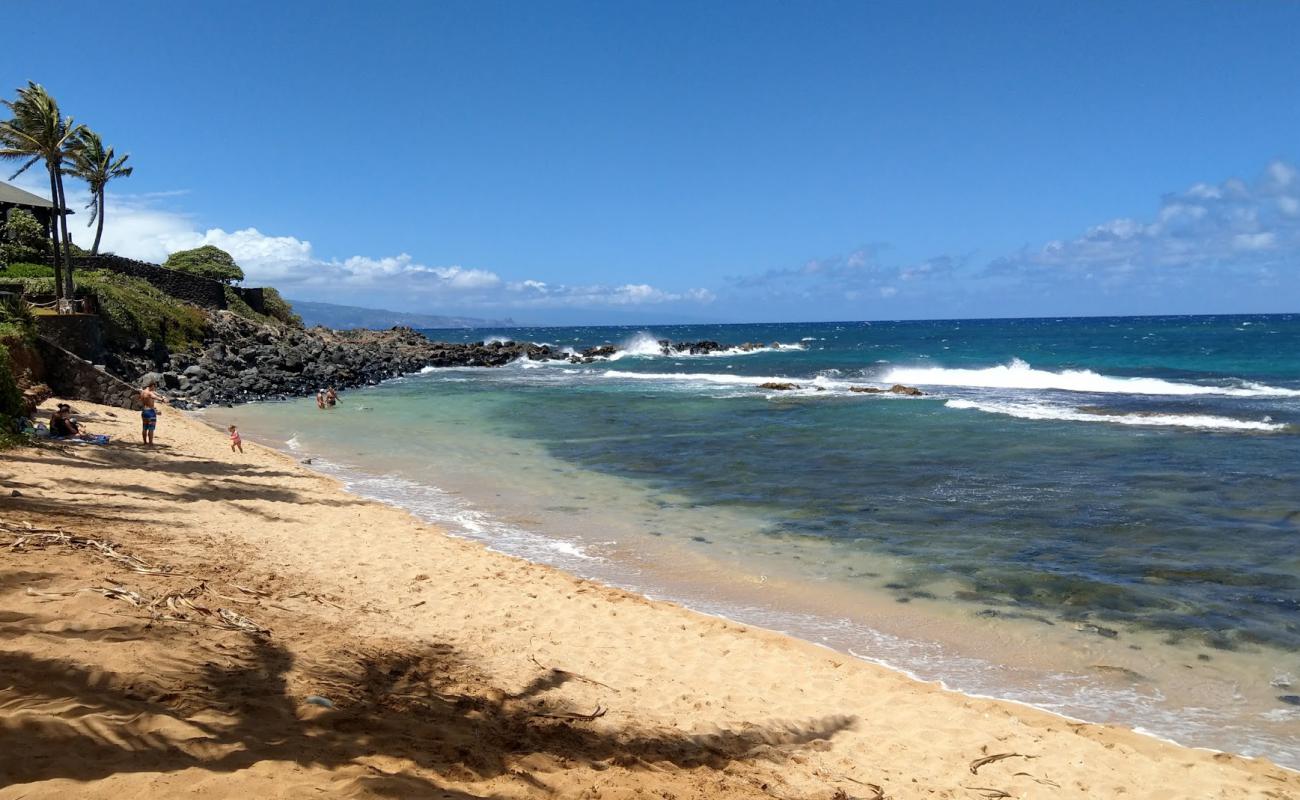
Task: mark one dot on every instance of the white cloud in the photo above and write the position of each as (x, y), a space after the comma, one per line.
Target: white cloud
(1254, 241)
(1232, 226)
(540, 294)
(136, 228)
(855, 276)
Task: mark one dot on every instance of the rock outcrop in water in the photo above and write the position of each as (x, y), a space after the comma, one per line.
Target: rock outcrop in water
(897, 388)
(667, 347)
(242, 360)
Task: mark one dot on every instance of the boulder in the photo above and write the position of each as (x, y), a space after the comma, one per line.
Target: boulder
(899, 388)
(778, 387)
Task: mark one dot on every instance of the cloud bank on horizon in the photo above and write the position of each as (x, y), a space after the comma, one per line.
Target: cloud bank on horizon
(138, 229)
(1200, 248)
(1202, 251)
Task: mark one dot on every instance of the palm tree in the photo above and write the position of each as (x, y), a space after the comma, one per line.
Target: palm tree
(40, 132)
(96, 166)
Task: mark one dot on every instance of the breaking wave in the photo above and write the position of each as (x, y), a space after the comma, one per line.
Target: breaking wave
(724, 379)
(1042, 411)
(1020, 375)
(646, 345)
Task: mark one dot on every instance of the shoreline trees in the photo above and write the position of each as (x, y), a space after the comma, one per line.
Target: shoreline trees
(38, 131)
(96, 165)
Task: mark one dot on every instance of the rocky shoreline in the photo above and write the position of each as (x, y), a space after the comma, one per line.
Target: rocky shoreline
(243, 361)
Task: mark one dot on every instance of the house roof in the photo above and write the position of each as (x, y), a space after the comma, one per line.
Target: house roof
(12, 195)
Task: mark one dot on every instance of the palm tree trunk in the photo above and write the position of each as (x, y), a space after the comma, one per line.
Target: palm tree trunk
(54, 235)
(67, 242)
(99, 229)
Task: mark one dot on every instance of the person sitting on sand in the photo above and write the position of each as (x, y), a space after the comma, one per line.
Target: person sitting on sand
(331, 397)
(148, 411)
(62, 425)
(235, 442)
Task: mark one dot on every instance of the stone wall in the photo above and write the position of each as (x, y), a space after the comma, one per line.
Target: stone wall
(194, 289)
(255, 298)
(72, 376)
(82, 334)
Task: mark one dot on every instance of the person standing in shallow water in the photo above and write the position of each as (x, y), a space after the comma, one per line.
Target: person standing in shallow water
(148, 411)
(320, 399)
(331, 397)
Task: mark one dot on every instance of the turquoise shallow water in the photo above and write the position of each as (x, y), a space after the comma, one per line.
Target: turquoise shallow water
(1125, 488)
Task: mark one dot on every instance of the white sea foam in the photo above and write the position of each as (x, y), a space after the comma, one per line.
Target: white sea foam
(696, 377)
(1044, 411)
(1020, 375)
(646, 345)
(643, 345)
(819, 386)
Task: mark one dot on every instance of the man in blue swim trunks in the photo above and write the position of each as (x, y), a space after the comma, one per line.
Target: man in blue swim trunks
(148, 411)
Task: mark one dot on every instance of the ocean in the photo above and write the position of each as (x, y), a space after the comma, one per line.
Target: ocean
(1098, 517)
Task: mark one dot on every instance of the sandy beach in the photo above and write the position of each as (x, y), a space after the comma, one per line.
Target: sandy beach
(184, 621)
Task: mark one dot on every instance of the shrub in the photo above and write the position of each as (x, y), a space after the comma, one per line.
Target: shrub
(133, 310)
(278, 308)
(36, 285)
(24, 238)
(16, 323)
(16, 327)
(11, 399)
(208, 262)
(236, 305)
(24, 269)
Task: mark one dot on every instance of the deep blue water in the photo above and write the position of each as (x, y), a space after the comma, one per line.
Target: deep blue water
(1129, 472)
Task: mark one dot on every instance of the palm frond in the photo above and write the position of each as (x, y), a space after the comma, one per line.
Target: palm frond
(24, 167)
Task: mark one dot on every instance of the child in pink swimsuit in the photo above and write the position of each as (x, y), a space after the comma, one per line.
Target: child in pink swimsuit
(235, 442)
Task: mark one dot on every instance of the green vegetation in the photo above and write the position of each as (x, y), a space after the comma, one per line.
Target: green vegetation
(24, 238)
(35, 285)
(11, 401)
(96, 165)
(16, 328)
(208, 262)
(236, 305)
(26, 270)
(16, 323)
(38, 131)
(133, 310)
(278, 308)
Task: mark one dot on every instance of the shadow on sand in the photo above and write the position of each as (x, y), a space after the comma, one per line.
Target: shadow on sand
(235, 701)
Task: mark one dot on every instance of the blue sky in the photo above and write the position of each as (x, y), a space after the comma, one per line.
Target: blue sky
(643, 162)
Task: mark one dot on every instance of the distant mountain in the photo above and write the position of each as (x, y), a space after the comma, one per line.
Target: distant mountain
(333, 316)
